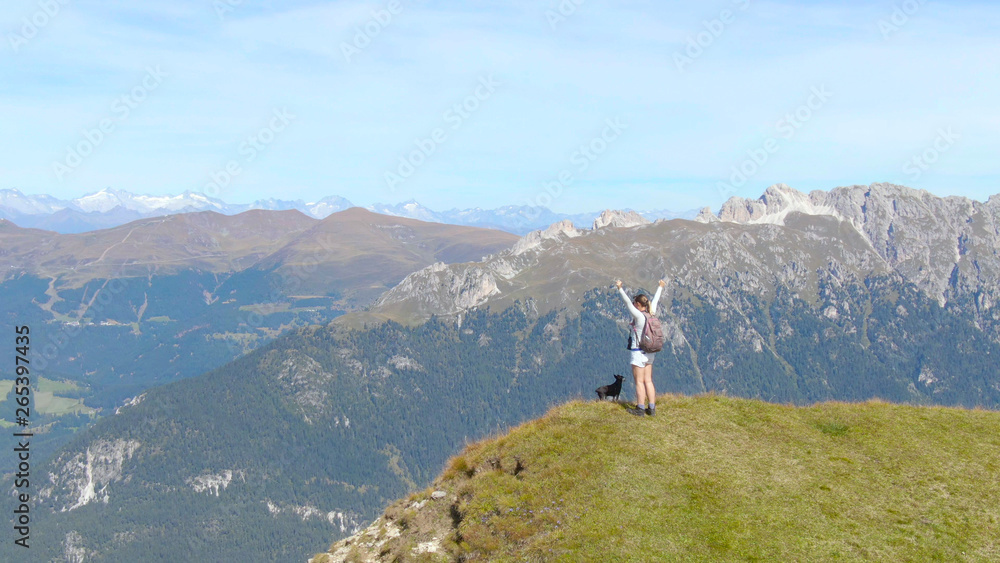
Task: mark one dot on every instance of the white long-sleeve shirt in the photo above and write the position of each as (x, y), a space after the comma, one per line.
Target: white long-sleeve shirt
(639, 319)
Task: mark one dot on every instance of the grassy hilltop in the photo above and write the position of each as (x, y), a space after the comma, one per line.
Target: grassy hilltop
(710, 478)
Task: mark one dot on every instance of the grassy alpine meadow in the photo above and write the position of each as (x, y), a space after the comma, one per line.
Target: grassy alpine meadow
(713, 478)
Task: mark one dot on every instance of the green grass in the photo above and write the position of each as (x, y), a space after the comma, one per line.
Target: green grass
(712, 478)
(41, 384)
(52, 386)
(48, 403)
(46, 399)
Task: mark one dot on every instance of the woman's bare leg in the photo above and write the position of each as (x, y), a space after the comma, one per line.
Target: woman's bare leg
(647, 378)
(640, 385)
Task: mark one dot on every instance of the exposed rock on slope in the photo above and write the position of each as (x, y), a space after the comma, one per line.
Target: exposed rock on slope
(554, 231)
(84, 477)
(554, 271)
(774, 206)
(613, 218)
(947, 247)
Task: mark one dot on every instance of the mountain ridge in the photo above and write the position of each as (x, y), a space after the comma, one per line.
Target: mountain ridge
(110, 207)
(799, 312)
(344, 421)
(162, 299)
(948, 247)
(944, 238)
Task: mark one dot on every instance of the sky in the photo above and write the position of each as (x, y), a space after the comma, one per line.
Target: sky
(576, 105)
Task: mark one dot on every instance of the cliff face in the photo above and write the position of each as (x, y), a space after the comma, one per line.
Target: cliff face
(613, 218)
(553, 268)
(947, 247)
(553, 232)
(86, 477)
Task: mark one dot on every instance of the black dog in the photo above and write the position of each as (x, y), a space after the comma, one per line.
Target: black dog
(612, 390)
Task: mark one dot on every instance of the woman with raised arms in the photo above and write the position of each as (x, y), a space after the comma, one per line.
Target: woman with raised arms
(642, 362)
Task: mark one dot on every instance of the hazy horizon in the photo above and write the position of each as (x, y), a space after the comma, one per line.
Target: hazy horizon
(554, 209)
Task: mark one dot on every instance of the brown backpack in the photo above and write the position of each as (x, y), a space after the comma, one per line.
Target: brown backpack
(651, 340)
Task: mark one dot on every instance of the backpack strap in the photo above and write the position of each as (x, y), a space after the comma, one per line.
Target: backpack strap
(635, 331)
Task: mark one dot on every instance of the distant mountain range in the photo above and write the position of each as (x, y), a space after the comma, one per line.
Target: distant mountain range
(165, 298)
(111, 208)
(862, 292)
(348, 245)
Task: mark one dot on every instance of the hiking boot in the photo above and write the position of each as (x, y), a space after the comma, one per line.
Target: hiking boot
(650, 411)
(637, 411)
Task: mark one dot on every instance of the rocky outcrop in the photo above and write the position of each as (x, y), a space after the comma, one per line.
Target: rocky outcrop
(73, 549)
(426, 518)
(615, 218)
(214, 483)
(86, 477)
(562, 229)
(131, 402)
(947, 246)
(774, 206)
(306, 380)
(443, 289)
(346, 522)
(705, 215)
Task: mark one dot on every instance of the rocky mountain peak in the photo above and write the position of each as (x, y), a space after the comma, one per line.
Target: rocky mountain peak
(617, 218)
(562, 228)
(774, 206)
(945, 245)
(706, 216)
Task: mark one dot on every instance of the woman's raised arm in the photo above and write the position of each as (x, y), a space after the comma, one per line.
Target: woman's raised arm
(656, 298)
(636, 314)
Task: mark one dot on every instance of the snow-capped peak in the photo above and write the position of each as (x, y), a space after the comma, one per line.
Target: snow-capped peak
(411, 209)
(108, 198)
(13, 199)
